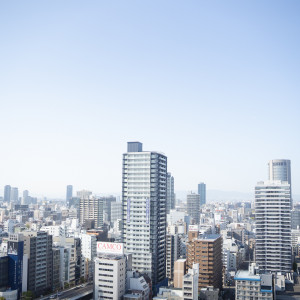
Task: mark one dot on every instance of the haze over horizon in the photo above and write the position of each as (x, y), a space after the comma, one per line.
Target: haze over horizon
(215, 86)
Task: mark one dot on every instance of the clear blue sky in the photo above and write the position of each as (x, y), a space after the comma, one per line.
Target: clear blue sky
(212, 84)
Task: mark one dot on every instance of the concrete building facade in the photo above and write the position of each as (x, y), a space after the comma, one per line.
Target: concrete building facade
(193, 206)
(144, 211)
(207, 252)
(273, 226)
(170, 193)
(202, 193)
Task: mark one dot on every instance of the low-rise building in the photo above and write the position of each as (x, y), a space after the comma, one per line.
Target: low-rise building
(250, 285)
(110, 276)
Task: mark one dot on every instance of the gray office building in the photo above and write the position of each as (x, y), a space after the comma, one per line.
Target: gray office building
(193, 207)
(25, 198)
(202, 193)
(170, 193)
(116, 211)
(144, 211)
(107, 202)
(14, 194)
(7, 192)
(38, 247)
(295, 219)
(69, 193)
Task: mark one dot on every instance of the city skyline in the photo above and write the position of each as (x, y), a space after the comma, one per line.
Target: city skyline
(150, 150)
(222, 80)
(213, 194)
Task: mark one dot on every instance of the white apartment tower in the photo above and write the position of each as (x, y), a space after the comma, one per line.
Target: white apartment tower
(144, 210)
(273, 226)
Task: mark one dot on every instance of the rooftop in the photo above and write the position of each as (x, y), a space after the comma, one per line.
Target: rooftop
(110, 256)
(211, 237)
(246, 275)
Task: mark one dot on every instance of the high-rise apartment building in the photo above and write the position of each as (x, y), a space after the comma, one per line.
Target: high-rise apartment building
(83, 194)
(172, 253)
(69, 193)
(7, 192)
(207, 252)
(193, 206)
(273, 226)
(91, 209)
(144, 210)
(202, 193)
(170, 193)
(38, 247)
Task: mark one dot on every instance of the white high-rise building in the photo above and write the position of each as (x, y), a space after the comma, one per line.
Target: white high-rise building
(88, 252)
(273, 226)
(280, 169)
(144, 210)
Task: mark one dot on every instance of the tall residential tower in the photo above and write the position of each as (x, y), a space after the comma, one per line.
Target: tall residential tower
(144, 210)
(273, 226)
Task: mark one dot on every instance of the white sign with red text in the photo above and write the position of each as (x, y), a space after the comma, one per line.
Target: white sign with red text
(113, 248)
(193, 228)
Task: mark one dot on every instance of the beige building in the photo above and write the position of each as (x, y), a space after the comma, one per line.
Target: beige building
(207, 252)
(179, 272)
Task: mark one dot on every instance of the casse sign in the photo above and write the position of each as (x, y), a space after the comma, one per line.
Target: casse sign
(114, 248)
(193, 228)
